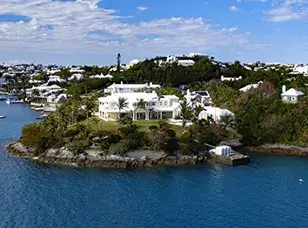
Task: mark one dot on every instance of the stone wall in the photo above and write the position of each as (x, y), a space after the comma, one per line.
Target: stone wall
(281, 149)
(65, 157)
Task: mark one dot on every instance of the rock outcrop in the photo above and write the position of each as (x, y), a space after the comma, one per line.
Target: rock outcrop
(93, 158)
(281, 149)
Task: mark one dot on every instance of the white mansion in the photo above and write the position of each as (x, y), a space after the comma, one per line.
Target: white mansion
(153, 106)
(166, 107)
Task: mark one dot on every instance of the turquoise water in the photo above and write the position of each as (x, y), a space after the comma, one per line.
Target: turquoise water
(265, 193)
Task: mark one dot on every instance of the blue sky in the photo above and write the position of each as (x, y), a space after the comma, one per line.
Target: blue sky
(94, 31)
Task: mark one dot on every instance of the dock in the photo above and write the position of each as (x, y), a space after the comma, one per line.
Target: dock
(232, 158)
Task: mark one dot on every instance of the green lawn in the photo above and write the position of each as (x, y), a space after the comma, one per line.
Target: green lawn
(97, 124)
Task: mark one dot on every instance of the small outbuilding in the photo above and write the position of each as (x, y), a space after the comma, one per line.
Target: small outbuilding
(291, 95)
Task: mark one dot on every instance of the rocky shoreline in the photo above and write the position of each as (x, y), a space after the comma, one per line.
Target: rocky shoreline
(281, 149)
(95, 159)
(135, 159)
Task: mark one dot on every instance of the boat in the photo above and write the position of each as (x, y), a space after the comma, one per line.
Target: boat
(2, 98)
(38, 109)
(17, 102)
(41, 117)
(8, 101)
(2, 117)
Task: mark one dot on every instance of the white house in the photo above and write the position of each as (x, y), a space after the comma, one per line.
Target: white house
(44, 90)
(132, 63)
(198, 97)
(167, 107)
(173, 59)
(186, 62)
(222, 78)
(222, 150)
(53, 98)
(53, 71)
(33, 81)
(76, 70)
(291, 96)
(76, 76)
(217, 114)
(250, 86)
(301, 69)
(102, 76)
(55, 78)
(130, 88)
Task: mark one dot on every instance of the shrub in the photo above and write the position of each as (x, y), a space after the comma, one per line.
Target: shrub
(40, 137)
(118, 149)
(78, 146)
(153, 127)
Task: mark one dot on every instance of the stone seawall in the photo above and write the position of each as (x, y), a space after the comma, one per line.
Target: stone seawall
(95, 159)
(281, 149)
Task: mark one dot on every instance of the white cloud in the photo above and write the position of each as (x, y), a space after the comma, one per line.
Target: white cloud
(233, 8)
(142, 8)
(83, 27)
(287, 10)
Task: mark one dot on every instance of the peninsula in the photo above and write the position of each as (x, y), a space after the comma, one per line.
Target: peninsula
(172, 107)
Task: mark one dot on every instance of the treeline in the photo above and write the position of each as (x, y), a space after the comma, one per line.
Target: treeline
(261, 117)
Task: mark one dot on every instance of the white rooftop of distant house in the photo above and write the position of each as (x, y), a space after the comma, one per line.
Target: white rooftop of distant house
(194, 54)
(134, 86)
(101, 76)
(250, 86)
(292, 92)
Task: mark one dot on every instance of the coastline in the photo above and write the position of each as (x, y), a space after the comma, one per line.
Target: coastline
(137, 159)
(281, 149)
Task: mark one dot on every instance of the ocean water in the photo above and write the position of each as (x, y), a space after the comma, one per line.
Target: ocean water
(266, 193)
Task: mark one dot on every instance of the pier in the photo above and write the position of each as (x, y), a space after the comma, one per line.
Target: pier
(232, 158)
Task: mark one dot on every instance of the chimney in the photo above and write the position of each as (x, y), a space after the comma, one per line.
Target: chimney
(151, 84)
(284, 89)
(121, 82)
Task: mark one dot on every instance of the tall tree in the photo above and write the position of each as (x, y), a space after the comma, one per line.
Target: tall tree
(141, 105)
(119, 62)
(121, 103)
(186, 112)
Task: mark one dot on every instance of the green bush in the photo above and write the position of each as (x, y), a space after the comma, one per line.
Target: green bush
(118, 149)
(41, 137)
(78, 146)
(131, 144)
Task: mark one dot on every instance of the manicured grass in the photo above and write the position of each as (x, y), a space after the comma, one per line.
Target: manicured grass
(95, 124)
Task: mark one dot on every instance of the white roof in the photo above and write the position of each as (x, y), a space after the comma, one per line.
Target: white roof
(101, 76)
(250, 86)
(186, 61)
(131, 97)
(215, 111)
(293, 92)
(133, 86)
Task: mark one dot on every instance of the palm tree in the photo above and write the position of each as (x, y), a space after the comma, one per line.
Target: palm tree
(91, 105)
(186, 113)
(121, 103)
(74, 108)
(35, 93)
(141, 104)
(159, 96)
(62, 116)
(196, 112)
(151, 111)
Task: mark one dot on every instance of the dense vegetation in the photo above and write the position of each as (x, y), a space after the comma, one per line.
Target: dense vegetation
(261, 116)
(78, 133)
